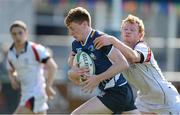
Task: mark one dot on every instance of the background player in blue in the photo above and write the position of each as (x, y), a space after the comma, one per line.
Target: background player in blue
(116, 95)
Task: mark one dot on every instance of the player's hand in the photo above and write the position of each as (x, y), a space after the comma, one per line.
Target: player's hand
(102, 41)
(90, 84)
(76, 74)
(50, 92)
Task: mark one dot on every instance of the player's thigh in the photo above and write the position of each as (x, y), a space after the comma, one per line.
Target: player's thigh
(22, 110)
(92, 106)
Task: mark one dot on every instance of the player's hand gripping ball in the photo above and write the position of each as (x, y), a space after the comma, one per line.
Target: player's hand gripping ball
(84, 60)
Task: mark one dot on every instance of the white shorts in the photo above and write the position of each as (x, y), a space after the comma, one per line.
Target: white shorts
(158, 109)
(36, 104)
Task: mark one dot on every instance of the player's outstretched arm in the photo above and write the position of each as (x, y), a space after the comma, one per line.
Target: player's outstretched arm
(131, 55)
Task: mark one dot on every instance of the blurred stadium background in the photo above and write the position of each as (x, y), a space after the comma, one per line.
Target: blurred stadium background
(45, 20)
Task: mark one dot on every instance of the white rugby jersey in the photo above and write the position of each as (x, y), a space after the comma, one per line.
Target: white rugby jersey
(29, 67)
(146, 76)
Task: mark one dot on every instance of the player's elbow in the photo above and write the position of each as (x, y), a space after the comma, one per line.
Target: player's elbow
(70, 62)
(70, 75)
(132, 58)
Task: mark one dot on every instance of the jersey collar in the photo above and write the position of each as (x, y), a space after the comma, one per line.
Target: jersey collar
(12, 48)
(138, 43)
(83, 44)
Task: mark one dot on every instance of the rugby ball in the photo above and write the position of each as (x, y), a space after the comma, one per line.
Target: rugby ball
(84, 60)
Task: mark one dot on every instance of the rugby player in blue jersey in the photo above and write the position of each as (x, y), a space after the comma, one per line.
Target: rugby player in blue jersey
(115, 93)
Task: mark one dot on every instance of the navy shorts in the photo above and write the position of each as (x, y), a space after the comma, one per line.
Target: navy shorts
(118, 99)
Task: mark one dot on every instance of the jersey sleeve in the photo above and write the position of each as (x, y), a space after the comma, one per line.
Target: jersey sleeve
(107, 49)
(74, 47)
(144, 51)
(43, 53)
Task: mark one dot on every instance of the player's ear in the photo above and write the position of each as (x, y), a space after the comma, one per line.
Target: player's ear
(26, 32)
(85, 23)
(140, 35)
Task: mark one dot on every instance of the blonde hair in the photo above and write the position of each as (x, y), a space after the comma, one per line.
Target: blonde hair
(77, 15)
(133, 19)
(18, 23)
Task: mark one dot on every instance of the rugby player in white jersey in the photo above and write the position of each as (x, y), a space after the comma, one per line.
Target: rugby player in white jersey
(26, 62)
(155, 94)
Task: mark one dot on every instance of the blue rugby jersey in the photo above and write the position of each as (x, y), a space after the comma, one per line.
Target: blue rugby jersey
(101, 61)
